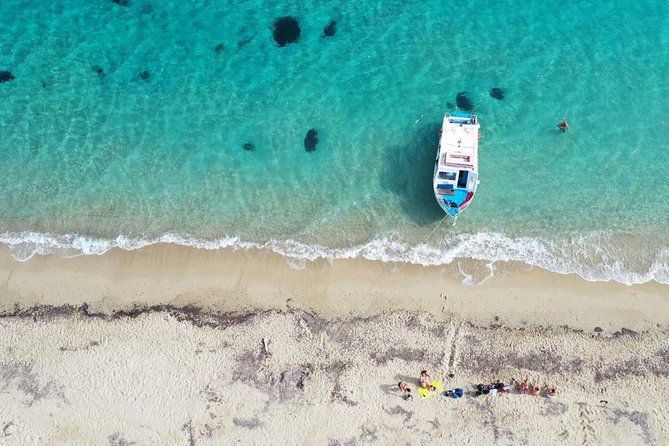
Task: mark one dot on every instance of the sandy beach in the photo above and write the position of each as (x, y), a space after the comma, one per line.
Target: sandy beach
(164, 345)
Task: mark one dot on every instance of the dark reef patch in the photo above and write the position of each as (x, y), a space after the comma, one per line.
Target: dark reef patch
(463, 102)
(330, 29)
(144, 75)
(249, 147)
(121, 2)
(497, 93)
(6, 76)
(286, 30)
(99, 70)
(218, 49)
(242, 43)
(311, 140)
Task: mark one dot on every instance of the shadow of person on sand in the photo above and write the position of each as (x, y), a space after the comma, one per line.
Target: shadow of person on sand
(392, 389)
(408, 172)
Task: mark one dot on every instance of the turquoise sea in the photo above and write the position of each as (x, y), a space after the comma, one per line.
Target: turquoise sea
(124, 125)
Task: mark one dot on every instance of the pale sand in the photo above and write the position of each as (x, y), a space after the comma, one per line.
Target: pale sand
(86, 374)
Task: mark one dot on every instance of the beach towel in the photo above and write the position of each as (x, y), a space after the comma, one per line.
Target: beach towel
(426, 393)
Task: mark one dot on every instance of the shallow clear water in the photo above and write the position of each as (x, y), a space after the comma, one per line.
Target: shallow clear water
(90, 161)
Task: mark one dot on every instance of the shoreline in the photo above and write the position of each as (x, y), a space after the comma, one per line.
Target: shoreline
(241, 281)
(486, 247)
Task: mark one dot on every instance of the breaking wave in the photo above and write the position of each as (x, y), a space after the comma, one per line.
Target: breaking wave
(595, 257)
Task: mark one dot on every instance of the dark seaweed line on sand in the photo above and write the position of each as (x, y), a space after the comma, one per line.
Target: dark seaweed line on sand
(200, 317)
(188, 313)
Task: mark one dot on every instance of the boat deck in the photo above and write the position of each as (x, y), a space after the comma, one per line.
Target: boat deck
(458, 145)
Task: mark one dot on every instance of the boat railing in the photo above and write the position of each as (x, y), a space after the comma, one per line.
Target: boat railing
(461, 118)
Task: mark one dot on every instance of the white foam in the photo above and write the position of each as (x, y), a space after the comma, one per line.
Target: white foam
(595, 257)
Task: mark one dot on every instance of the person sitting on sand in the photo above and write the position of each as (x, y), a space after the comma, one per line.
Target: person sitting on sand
(550, 392)
(405, 389)
(425, 380)
(534, 390)
(481, 389)
(524, 388)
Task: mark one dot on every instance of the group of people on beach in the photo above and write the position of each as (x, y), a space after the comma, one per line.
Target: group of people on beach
(522, 387)
(497, 387)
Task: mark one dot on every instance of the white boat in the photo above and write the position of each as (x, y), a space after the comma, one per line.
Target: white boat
(456, 169)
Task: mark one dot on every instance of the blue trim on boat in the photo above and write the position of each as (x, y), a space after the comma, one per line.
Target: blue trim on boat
(460, 115)
(459, 196)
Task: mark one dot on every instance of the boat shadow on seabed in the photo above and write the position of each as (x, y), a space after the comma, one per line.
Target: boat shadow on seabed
(408, 171)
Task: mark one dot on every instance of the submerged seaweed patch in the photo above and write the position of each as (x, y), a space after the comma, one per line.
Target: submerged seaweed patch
(6, 76)
(497, 93)
(463, 102)
(330, 29)
(311, 140)
(286, 30)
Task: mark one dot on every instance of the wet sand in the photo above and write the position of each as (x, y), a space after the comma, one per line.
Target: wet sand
(164, 346)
